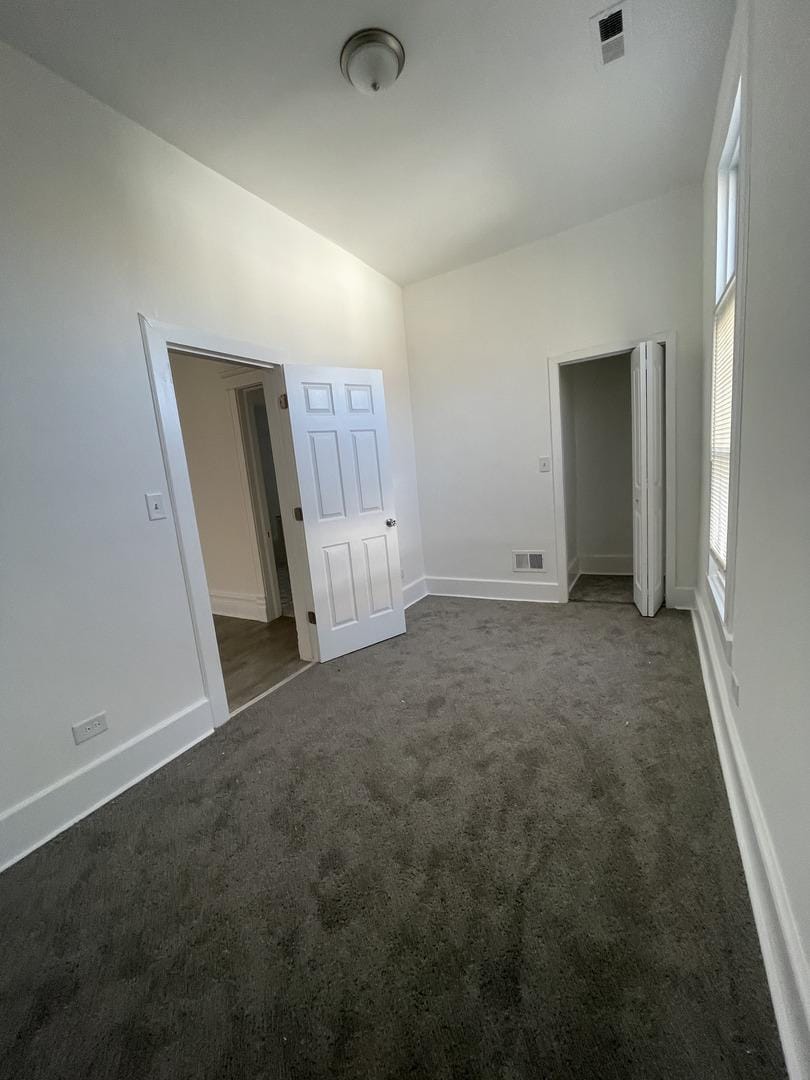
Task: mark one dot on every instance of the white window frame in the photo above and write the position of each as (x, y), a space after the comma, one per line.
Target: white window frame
(730, 265)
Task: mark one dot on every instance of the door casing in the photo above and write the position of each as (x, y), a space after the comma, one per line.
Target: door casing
(158, 339)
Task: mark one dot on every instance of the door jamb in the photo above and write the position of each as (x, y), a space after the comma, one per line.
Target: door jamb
(258, 497)
(158, 338)
(599, 352)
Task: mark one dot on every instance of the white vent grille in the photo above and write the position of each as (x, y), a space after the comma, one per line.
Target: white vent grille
(609, 29)
(528, 562)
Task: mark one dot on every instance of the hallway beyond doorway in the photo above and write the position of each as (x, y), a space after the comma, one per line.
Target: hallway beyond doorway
(255, 656)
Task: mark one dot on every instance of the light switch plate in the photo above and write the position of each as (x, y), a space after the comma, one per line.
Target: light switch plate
(154, 505)
(545, 464)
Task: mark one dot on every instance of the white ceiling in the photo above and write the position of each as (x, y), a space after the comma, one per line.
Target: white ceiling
(501, 129)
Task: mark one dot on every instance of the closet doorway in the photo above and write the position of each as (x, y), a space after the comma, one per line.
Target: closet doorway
(612, 475)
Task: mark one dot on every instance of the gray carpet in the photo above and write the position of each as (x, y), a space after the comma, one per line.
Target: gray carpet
(497, 847)
(603, 589)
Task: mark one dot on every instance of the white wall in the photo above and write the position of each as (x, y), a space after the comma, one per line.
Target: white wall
(216, 464)
(478, 342)
(600, 413)
(102, 220)
(770, 646)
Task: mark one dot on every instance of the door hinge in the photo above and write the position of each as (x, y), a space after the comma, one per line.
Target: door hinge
(283, 403)
(298, 513)
(311, 617)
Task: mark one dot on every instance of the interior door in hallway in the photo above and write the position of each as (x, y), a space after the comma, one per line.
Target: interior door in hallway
(647, 394)
(339, 434)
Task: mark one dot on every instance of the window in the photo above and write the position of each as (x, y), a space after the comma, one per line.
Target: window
(722, 375)
(722, 395)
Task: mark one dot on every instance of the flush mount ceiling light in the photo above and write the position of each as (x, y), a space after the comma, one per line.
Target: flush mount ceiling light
(372, 60)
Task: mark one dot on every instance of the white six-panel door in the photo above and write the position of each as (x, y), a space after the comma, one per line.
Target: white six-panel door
(647, 395)
(340, 441)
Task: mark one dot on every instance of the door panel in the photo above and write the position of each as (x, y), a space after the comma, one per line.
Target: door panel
(325, 461)
(378, 571)
(367, 467)
(339, 432)
(340, 584)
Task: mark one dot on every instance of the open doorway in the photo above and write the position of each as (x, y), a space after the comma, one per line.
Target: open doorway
(612, 425)
(595, 402)
(329, 439)
(226, 437)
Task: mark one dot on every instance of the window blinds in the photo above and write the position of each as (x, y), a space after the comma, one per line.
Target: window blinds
(722, 371)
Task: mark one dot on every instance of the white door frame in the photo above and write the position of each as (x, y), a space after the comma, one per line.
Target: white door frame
(158, 339)
(258, 497)
(599, 352)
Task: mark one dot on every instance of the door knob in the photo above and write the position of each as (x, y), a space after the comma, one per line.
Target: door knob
(390, 522)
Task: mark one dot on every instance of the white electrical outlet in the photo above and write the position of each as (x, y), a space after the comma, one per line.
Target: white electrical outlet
(545, 464)
(88, 729)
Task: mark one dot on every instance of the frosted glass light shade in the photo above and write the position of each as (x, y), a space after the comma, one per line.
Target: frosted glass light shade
(371, 60)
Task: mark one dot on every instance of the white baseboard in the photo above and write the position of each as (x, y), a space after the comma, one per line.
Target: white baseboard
(606, 564)
(43, 815)
(573, 572)
(413, 591)
(546, 592)
(681, 598)
(785, 963)
(240, 605)
(543, 592)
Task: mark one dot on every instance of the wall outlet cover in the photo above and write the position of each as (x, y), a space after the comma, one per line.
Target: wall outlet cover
(545, 464)
(88, 729)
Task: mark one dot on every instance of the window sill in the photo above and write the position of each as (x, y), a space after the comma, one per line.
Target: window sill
(718, 594)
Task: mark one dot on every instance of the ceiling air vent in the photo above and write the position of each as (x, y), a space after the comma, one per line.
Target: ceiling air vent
(609, 28)
(527, 562)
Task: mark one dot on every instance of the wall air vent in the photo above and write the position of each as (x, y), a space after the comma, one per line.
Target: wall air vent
(611, 26)
(528, 562)
(609, 29)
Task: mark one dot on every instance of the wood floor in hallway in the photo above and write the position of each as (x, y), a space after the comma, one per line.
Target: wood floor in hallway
(255, 655)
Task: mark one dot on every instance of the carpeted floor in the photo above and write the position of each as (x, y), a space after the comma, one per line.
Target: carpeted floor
(497, 847)
(603, 589)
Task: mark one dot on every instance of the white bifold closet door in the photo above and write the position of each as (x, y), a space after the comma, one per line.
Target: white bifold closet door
(336, 423)
(647, 391)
